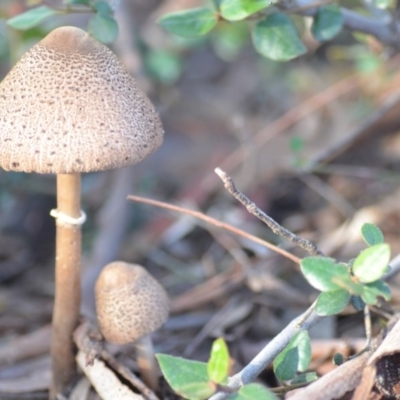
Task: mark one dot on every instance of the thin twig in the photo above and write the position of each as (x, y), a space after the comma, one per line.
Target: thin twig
(128, 375)
(88, 339)
(368, 326)
(271, 223)
(217, 223)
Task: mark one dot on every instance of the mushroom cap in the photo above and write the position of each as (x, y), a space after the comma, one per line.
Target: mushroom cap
(70, 106)
(130, 303)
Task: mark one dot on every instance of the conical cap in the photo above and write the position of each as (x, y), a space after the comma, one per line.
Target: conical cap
(130, 303)
(70, 106)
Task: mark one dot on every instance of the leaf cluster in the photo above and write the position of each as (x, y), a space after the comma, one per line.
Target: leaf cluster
(274, 33)
(102, 26)
(195, 380)
(360, 280)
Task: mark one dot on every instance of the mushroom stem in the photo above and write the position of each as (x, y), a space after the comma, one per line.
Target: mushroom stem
(147, 362)
(67, 282)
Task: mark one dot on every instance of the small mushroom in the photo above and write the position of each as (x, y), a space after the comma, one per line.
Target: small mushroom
(130, 305)
(67, 107)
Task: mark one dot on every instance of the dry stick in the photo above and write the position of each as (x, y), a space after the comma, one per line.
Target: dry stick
(128, 375)
(217, 223)
(89, 341)
(271, 223)
(368, 326)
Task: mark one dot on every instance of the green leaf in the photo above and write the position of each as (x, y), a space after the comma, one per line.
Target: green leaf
(357, 302)
(295, 357)
(304, 378)
(82, 2)
(296, 144)
(164, 65)
(383, 4)
(372, 263)
(218, 364)
(229, 39)
(190, 23)
(276, 37)
(330, 303)
(345, 282)
(338, 359)
(367, 63)
(103, 8)
(320, 272)
(187, 378)
(253, 391)
(31, 18)
(104, 29)
(372, 234)
(236, 10)
(374, 290)
(327, 22)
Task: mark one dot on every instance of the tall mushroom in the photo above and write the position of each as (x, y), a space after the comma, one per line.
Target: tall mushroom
(131, 304)
(67, 107)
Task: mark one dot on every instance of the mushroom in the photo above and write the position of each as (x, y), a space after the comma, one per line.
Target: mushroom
(67, 107)
(130, 305)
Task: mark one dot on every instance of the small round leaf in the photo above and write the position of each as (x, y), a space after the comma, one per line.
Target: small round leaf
(321, 273)
(295, 357)
(236, 10)
(276, 38)
(372, 263)
(374, 290)
(330, 303)
(372, 234)
(103, 8)
(307, 377)
(357, 302)
(253, 391)
(218, 364)
(338, 359)
(327, 22)
(103, 28)
(186, 377)
(190, 23)
(31, 18)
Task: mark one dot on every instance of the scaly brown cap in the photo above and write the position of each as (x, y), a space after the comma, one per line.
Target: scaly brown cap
(130, 303)
(70, 106)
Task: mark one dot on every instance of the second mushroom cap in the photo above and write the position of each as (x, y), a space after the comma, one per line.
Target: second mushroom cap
(130, 303)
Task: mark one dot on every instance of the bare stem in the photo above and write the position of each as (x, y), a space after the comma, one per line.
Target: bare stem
(217, 223)
(67, 284)
(368, 326)
(147, 362)
(271, 223)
